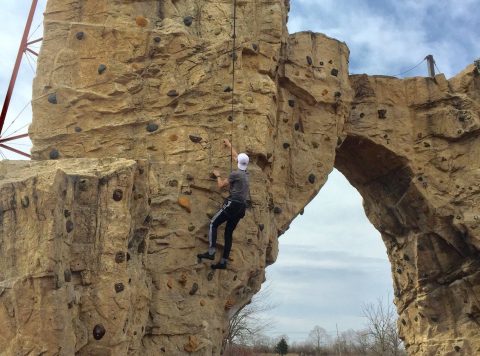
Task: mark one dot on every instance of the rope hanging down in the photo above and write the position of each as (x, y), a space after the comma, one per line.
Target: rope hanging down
(234, 55)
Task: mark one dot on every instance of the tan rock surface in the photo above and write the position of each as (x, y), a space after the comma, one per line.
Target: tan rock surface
(148, 80)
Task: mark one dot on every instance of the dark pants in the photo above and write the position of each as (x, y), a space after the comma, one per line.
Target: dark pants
(231, 212)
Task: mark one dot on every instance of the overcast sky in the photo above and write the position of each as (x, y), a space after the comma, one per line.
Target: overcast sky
(331, 260)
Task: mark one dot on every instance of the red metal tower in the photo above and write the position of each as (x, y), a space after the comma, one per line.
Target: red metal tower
(24, 47)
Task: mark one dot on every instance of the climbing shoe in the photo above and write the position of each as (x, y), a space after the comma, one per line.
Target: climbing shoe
(219, 265)
(206, 255)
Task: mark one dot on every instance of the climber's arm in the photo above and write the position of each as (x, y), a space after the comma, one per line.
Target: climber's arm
(221, 182)
(227, 143)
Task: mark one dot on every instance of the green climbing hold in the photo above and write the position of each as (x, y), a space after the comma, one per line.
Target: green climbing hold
(188, 20)
(102, 68)
(52, 98)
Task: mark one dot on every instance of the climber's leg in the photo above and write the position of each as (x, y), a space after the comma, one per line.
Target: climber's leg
(219, 218)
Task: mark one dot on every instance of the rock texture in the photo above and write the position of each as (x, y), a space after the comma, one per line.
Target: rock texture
(145, 86)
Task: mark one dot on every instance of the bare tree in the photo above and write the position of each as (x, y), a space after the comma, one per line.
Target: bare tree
(382, 329)
(249, 322)
(319, 337)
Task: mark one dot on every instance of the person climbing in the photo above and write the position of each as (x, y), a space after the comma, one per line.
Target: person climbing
(233, 209)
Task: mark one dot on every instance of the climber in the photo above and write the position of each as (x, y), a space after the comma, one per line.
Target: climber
(233, 209)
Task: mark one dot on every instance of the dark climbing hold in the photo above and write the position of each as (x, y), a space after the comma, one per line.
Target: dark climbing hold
(66, 213)
(406, 257)
(54, 154)
(83, 185)
(321, 63)
(334, 72)
(286, 145)
(297, 126)
(163, 349)
(191, 228)
(98, 331)
(302, 212)
(117, 195)
(311, 178)
(147, 220)
(102, 68)
(188, 20)
(255, 46)
(261, 227)
(173, 183)
(291, 103)
(119, 287)
(330, 61)
(338, 94)
(195, 139)
(67, 274)
(157, 39)
(210, 276)
(399, 271)
(189, 177)
(120, 257)
(25, 202)
(172, 93)
(362, 115)
(78, 129)
(457, 348)
(69, 226)
(230, 118)
(404, 322)
(80, 35)
(277, 210)
(227, 89)
(309, 60)
(382, 114)
(52, 98)
(194, 289)
(152, 127)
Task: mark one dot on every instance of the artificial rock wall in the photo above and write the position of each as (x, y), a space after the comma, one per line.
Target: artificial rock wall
(131, 103)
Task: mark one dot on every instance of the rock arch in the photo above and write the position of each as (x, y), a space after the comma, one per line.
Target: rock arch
(129, 119)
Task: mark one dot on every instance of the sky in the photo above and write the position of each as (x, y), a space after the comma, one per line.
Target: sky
(331, 259)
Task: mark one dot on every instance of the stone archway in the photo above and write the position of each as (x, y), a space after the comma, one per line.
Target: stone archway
(135, 110)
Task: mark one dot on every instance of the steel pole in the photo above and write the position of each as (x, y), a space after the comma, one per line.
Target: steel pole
(13, 79)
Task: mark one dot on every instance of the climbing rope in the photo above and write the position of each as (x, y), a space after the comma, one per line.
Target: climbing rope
(409, 70)
(234, 37)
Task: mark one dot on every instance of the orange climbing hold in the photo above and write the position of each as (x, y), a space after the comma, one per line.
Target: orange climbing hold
(141, 21)
(192, 345)
(184, 202)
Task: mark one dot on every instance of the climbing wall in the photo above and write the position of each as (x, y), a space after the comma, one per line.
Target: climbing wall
(132, 101)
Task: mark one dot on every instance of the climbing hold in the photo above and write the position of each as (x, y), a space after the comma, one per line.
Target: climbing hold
(170, 283)
(311, 178)
(52, 98)
(457, 348)
(210, 276)
(321, 63)
(66, 213)
(184, 202)
(399, 270)
(330, 61)
(78, 129)
(54, 154)
(117, 195)
(309, 60)
(277, 210)
(141, 21)
(261, 227)
(172, 93)
(297, 126)
(189, 177)
(195, 139)
(362, 115)
(83, 185)
(173, 137)
(324, 92)
(152, 127)
(227, 89)
(120, 257)
(337, 94)
(102, 68)
(255, 46)
(80, 35)
(382, 114)
(25, 202)
(67, 275)
(202, 303)
(188, 20)
(315, 144)
(194, 289)
(229, 303)
(286, 145)
(157, 39)
(119, 287)
(191, 228)
(69, 226)
(334, 72)
(230, 118)
(98, 331)
(291, 103)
